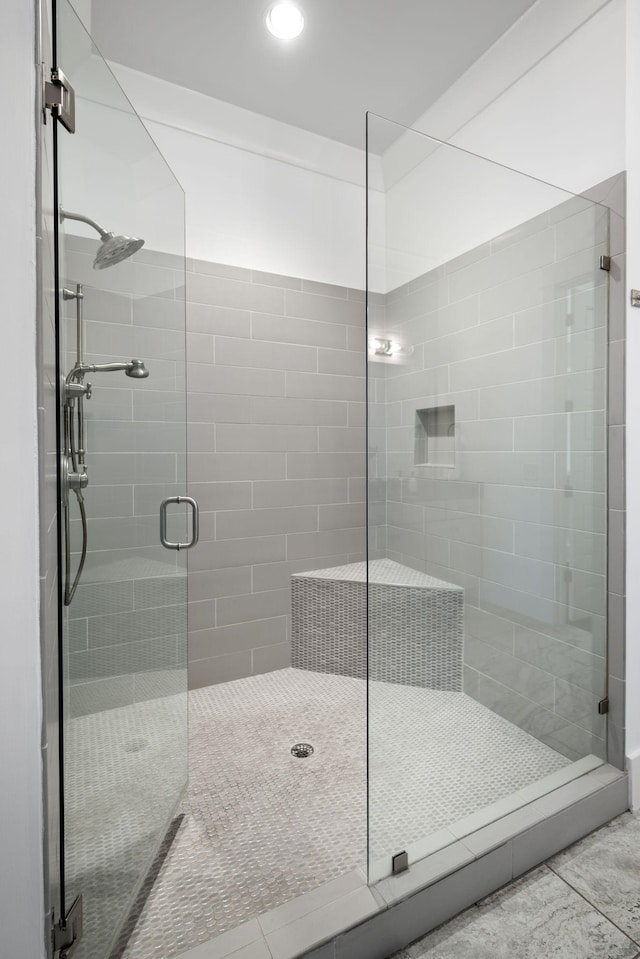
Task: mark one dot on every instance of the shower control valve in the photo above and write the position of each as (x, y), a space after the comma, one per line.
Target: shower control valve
(73, 391)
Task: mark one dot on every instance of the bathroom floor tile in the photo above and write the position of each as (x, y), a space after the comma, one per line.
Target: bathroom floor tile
(605, 869)
(536, 916)
(261, 827)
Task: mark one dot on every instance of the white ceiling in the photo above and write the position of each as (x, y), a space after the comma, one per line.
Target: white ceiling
(392, 57)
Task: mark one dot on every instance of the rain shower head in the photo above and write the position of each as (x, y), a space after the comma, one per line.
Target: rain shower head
(113, 249)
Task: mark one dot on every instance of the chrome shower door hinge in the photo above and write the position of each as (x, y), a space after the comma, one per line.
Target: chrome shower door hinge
(68, 932)
(59, 96)
(603, 707)
(605, 263)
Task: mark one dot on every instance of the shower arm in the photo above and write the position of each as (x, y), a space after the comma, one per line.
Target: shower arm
(81, 218)
(113, 248)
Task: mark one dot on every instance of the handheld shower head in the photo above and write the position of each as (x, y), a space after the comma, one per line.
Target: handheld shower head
(137, 370)
(113, 249)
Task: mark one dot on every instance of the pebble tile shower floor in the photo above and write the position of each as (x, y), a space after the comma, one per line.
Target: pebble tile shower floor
(261, 827)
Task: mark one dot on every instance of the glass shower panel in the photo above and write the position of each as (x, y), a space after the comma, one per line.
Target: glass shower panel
(122, 359)
(487, 333)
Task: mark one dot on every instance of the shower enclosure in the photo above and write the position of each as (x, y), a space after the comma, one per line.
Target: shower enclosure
(487, 526)
(120, 323)
(469, 644)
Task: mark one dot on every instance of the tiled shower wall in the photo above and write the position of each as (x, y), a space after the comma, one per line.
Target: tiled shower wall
(276, 462)
(127, 622)
(276, 380)
(276, 411)
(512, 335)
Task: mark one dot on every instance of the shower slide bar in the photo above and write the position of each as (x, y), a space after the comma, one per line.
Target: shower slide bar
(73, 469)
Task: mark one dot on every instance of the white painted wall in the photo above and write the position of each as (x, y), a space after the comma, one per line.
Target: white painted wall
(21, 883)
(547, 100)
(259, 193)
(633, 400)
(83, 9)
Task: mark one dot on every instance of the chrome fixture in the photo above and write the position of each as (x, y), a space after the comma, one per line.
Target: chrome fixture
(73, 470)
(383, 347)
(59, 96)
(399, 862)
(113, 249)
(72, 467)
(195, 533)
(135, 369)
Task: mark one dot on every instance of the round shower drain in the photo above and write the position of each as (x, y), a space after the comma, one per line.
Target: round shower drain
(301, 750)
(135, 745)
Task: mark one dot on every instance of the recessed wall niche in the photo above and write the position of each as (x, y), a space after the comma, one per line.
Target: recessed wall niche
(435, 436)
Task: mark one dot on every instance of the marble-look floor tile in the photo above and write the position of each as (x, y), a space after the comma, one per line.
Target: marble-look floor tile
(605, 869)
(537, 917)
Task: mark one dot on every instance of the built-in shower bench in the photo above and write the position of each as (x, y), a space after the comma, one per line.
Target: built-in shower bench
(415, 624)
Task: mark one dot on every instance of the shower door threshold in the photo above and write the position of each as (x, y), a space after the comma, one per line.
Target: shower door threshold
(347, 919)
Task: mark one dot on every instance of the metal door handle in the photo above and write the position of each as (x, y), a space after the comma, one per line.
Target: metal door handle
(195, 531)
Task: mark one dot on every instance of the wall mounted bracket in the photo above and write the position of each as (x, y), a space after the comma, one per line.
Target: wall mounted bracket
(399, 862)
(59, 96)
(635, 297)
(68, 932)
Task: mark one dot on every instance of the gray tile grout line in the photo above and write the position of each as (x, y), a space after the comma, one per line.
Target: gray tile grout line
(403, 954)
(593, 905)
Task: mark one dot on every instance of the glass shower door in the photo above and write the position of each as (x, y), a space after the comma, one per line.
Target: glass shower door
(487, 589)
(123, 591)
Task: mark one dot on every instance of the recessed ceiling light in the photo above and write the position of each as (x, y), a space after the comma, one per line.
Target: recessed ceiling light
(284, 20)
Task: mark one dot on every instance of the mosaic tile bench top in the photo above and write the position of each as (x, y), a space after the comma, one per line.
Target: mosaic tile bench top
(383, 571)
(415, 624)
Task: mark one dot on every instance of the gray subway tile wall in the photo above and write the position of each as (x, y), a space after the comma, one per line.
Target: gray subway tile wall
(127, 621)
(276, 381)
(276, 410)
(513, 335)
